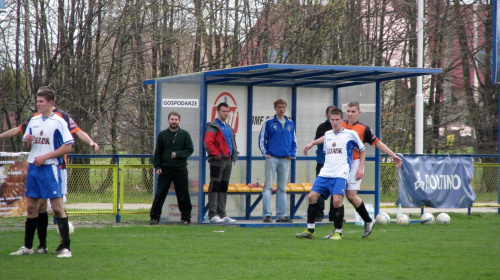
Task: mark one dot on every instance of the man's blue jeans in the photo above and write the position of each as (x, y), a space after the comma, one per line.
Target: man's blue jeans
(280, 167)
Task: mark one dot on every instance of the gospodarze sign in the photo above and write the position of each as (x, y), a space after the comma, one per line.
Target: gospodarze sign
(185, 103)
(439, 182)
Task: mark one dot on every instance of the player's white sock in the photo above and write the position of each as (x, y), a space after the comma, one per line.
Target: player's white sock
(311, 227)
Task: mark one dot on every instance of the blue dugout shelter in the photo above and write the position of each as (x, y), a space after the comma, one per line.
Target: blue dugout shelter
(250, 91)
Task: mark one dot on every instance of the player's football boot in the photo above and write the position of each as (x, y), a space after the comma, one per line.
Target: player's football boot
(336, 236)
(305, 234)
(368, 228)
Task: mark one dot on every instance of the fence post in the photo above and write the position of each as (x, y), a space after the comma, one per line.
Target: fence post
(118, 214)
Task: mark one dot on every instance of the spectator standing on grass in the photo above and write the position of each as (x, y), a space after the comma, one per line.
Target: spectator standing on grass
(339, 144)
(320, 157)
(278, 144)
(48, 139)
(43, 217)
(173, 147)
(220, 144)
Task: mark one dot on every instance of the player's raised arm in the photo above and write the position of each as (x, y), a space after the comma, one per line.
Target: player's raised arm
(313, 143)
(86, 138)
(10, 133)
(383, 148)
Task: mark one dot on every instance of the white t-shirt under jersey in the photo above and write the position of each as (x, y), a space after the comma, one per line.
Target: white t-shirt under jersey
(50, 134)
(338, 148)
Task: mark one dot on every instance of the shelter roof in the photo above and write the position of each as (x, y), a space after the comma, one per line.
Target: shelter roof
(302, 75)
(323, 76)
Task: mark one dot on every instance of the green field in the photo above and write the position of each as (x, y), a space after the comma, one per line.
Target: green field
(469, 248)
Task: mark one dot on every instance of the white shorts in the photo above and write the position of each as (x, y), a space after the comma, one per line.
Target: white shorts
(354, 185)
(64, 181)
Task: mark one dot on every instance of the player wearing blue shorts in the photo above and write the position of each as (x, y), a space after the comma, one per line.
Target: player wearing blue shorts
(43, 218)
(48, 139)
(339, 145)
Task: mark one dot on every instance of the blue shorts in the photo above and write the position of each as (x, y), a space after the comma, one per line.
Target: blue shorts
(329, 186)
(43, 181)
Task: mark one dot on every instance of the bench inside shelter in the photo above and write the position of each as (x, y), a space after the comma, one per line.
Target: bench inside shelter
(297, 193)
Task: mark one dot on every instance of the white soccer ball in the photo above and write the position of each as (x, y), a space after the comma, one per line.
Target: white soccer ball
(443, 219)
(70, 226)
(427, 219)
(383, 219)
(403, 220)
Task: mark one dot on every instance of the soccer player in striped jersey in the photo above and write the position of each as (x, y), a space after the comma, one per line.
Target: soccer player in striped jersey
(48, 139)
(339, 145)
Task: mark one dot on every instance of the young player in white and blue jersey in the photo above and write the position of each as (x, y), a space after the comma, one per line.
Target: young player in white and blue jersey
(48, 139)
(338, 144)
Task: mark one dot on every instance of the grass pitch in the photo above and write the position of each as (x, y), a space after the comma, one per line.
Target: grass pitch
(468, 248)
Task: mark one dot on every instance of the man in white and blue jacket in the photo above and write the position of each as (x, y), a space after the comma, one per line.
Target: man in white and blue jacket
(278, 144)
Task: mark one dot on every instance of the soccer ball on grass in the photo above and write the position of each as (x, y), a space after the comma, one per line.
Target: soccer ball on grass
(70, 226)
(383, 219)
(403, 220)
(427, 219)
(443, 219)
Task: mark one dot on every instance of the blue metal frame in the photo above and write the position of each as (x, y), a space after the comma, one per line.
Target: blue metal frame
(203, 162)
(294, 119)
(378, 124)
(494, 61)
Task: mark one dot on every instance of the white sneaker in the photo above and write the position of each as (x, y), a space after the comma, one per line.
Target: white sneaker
(229, 220)
(22, 251)
(216, 220)
(65, 253)
(368, 228)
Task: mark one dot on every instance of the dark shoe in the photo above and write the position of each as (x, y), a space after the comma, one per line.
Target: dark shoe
(284, 220)
(267, 219)
(41, 250)
(318, 219)
(185, 222)
(58, 250)
(154, 222)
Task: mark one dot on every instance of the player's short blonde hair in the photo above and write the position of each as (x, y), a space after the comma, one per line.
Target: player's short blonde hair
(353, 104)
(280, 102)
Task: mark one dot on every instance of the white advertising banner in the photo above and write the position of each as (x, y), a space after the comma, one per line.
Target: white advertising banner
(236, 98)
(263, 105)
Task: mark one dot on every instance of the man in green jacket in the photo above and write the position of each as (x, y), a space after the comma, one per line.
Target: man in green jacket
(173, 147)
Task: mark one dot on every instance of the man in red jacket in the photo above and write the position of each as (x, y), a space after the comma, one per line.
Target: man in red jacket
(221, 150)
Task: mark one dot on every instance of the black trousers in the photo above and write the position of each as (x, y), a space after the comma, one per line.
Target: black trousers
(180, 178)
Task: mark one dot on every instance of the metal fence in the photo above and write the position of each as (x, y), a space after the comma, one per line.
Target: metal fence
(123, 184)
